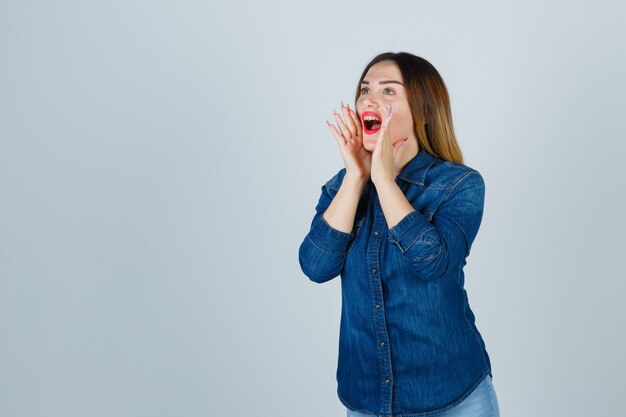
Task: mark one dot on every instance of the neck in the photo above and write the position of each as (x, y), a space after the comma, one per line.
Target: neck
(405, 159)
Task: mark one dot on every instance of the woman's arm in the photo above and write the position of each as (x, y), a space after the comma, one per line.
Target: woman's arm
(432, 248)
(342, 209)
(323, 251)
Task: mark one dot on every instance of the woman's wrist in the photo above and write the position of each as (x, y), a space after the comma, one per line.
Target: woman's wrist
(356, 179)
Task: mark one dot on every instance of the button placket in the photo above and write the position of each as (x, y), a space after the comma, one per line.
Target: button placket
(376, 287)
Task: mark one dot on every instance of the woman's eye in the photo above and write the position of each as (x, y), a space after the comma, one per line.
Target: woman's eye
(385, 91)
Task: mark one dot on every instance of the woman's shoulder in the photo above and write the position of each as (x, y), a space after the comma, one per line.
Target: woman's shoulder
(440, 174)
(448, 174)
(335, 181)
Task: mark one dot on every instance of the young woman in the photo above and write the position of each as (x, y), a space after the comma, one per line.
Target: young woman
(397, 223)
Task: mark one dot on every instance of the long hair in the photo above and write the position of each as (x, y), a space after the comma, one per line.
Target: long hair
(429, 103)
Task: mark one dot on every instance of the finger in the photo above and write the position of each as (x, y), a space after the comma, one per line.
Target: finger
(379, 142)
(342, 126)
(357, 122)
(387, 115)
(349, 122)
(389, 124)
(384, 129)
(337, 134)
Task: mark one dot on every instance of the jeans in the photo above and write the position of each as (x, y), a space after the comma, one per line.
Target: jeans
(482, 402)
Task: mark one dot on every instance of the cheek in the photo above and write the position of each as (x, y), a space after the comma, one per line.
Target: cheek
(403, 119)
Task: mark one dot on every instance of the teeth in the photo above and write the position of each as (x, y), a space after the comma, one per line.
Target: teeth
(368, 117)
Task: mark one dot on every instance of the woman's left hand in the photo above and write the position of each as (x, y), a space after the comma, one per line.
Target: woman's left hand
(383, 157)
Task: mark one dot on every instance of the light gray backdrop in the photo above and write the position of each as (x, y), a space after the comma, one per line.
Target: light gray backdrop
(160, 162)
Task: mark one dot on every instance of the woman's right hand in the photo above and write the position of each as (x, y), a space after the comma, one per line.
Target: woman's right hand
(349, 135)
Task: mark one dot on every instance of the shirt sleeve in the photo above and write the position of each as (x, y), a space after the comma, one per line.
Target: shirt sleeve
(433, 247)
(323, 251)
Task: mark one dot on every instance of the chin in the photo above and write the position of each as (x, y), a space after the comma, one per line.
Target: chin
(369, 146)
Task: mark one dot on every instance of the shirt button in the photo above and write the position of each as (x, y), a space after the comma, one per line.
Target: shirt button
(374, 270)
(386, 381)
(377, 305)
(375, 233)
(382, 344)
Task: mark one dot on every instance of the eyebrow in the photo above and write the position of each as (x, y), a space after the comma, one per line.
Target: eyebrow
(384, 82)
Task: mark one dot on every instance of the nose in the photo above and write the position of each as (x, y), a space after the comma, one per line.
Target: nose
(371, 102)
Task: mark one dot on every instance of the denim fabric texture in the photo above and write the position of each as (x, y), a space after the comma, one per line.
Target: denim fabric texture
(482, 402)
(408, 343)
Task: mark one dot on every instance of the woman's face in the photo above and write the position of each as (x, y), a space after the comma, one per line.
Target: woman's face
(382, 85)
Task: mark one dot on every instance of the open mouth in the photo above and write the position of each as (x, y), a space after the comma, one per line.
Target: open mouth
(371, 122)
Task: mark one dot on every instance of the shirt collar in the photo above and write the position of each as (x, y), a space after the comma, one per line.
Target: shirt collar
(415, 170)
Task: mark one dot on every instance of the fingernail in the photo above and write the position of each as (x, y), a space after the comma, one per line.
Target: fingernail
(343, 105)
(327, 123)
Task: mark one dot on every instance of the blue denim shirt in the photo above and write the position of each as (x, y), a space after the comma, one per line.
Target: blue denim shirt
(408, 344)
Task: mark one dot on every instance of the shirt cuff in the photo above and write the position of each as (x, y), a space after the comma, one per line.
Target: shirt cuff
(408, 230)
(330, 239)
